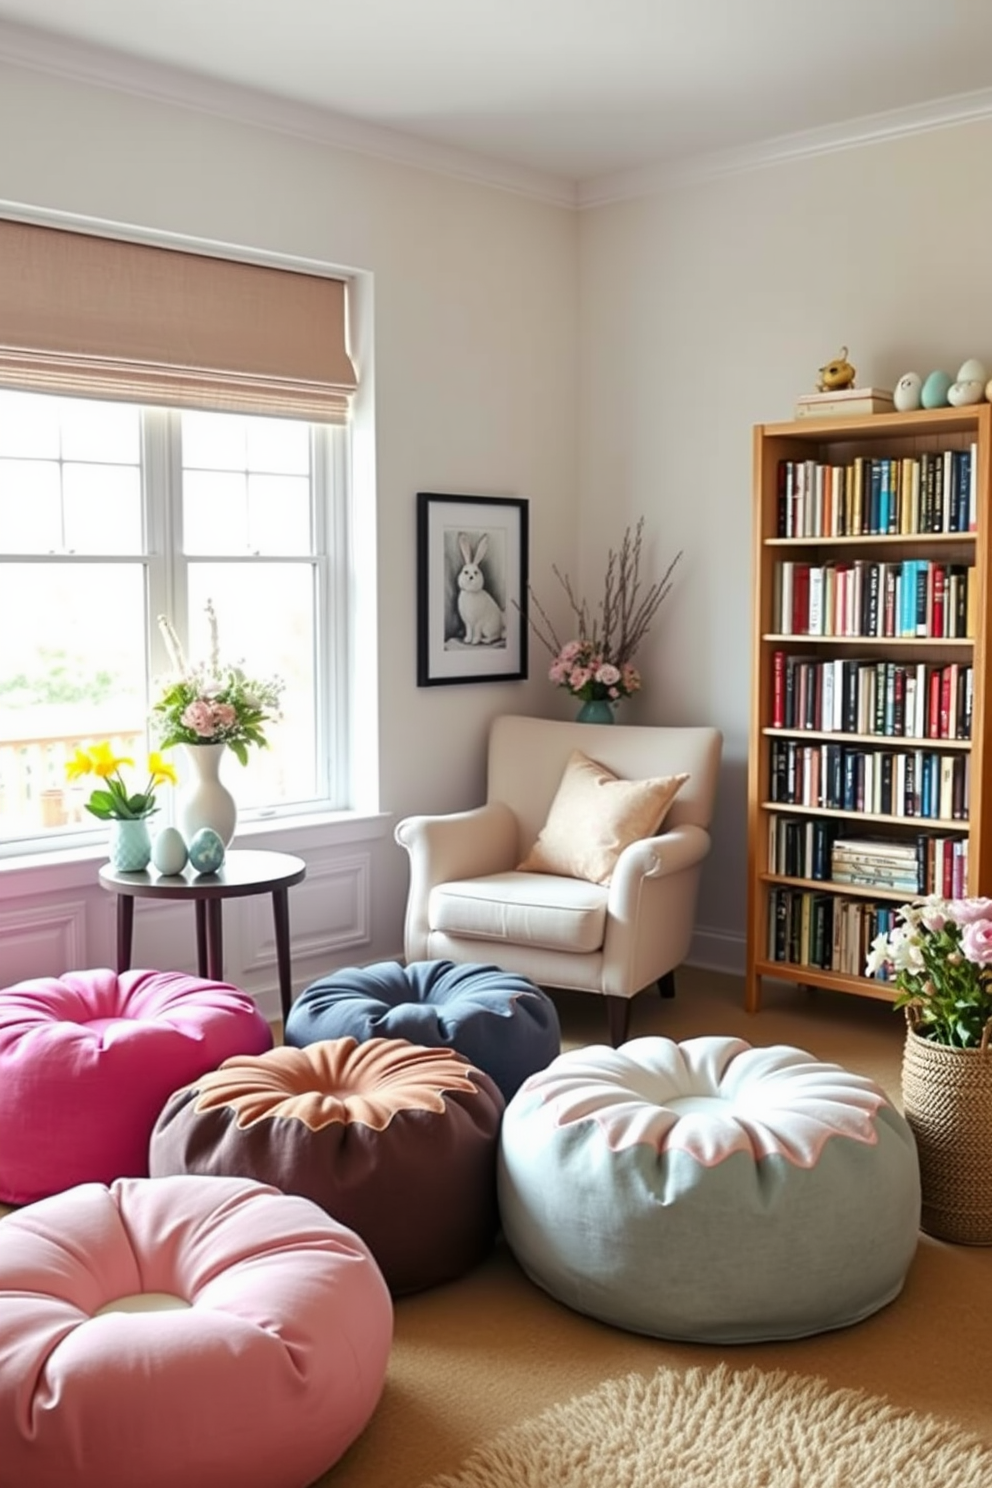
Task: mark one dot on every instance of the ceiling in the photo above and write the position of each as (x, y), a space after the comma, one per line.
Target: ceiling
(576, 89)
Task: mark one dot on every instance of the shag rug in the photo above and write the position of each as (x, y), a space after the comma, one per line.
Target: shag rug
(726, 1428)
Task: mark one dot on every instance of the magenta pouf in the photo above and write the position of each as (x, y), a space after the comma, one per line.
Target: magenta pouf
(87, 1061)
(184, 1331)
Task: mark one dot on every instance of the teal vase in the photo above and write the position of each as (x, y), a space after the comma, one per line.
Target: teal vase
(596, 710)
(130, 846)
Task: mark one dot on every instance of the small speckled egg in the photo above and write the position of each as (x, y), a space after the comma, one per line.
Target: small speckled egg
(169, 851)
(206, 851)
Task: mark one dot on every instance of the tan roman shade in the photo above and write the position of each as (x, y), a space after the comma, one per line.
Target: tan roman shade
(110, 319)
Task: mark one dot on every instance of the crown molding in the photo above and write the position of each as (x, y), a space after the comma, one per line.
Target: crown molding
(77, 61)
(871, 129)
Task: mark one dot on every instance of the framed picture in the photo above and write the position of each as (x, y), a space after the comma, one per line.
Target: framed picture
(471, 589)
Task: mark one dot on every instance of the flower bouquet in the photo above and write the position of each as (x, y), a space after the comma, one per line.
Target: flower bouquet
(213, 702)
(597, 665)
(940, 951)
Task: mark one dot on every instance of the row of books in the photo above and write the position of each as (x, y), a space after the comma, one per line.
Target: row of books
(857, 695)
(903, 783)
(815, 848)
(916, 597)
(826, 931)
(935, 491)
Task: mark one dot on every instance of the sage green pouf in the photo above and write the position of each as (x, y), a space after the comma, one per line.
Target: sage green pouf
(709, 1191)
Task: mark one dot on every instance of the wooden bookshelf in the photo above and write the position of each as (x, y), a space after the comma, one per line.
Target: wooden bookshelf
(892, 460)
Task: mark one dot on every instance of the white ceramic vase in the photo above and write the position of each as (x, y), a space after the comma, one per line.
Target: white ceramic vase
(206, 800)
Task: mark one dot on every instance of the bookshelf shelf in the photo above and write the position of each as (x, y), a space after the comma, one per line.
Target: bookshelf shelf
(829, 886)
(873, 741)
(868, 540)
(813, 976)
(887, 519)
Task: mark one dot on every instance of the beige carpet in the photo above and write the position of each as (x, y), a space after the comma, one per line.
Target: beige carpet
(737, 1428)
(479, 1357)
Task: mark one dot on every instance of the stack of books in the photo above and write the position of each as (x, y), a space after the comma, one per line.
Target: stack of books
(847, 401)
(873, 862)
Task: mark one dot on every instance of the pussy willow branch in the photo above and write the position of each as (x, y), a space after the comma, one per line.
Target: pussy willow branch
(625, 617)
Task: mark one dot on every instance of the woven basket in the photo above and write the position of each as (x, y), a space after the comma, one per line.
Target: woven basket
(947, 1097)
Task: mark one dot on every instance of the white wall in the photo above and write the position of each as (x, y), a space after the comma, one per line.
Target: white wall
(474, 293)
(707, 309)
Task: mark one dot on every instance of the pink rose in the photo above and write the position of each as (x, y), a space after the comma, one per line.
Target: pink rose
(224, 715)
(579, 677)
(199, 716)
(976, 942)
(965, 911)
(608, 674)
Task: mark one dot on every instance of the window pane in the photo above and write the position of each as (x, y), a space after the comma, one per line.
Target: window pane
(266, 624)
(246, 485)
(215, 512)
(102, 508)
(215, 441)
(30, 506)
(29, 425)
(279, 514)
(72, 670)
(100, 431)
(278, 444)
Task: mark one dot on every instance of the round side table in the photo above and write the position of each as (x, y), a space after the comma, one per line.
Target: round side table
(241, 874)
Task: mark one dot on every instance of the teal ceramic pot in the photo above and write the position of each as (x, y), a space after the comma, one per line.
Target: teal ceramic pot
(130, 846)
(596, 710)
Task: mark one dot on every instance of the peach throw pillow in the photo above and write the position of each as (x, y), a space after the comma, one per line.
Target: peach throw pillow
(594, 816)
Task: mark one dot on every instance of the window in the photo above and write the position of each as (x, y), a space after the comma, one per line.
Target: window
(112, 514)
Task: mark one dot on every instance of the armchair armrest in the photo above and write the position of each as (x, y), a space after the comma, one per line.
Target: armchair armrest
(463, 844)
(651, 908)
(656, 857)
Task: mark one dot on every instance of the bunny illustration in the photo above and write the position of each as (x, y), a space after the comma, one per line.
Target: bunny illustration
(483, 619)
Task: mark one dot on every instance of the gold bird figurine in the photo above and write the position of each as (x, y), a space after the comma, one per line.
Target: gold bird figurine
(836, 375)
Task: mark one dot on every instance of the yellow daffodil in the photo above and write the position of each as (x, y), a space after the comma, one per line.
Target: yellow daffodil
(161, 771)
(106, 762)
(80, 764)
(114, 801)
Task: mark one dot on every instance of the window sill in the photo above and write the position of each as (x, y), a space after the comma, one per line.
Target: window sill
(70, 867)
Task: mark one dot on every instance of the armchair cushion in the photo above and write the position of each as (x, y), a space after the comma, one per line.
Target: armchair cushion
(594, 816)
(560, 914)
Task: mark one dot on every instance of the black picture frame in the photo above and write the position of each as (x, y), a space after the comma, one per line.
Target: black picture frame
(472, 554)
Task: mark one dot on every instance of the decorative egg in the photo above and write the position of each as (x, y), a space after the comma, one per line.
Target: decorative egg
(169, 853)
(935, 390)
(960, 394)
(206, 851)
(906, 395)
(972, 371)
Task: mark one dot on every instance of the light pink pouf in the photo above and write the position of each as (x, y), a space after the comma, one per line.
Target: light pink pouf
(87, 1061)
(258, 1363)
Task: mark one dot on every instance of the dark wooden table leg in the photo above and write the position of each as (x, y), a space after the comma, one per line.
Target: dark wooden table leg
(201, 937)
(125, 930)
(215, 940)
(280, 913)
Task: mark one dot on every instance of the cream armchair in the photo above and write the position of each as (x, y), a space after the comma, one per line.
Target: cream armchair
(468, 902)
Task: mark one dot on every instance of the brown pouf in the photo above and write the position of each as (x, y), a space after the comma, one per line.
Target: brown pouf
(396, 1141)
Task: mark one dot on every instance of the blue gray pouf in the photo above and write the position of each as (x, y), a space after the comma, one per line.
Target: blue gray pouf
(501, 1022)
(709, 1191)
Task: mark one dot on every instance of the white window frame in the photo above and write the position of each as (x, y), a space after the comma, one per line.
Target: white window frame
(166, 565)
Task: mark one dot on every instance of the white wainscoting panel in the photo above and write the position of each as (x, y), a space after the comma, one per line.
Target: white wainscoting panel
(42, 941)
